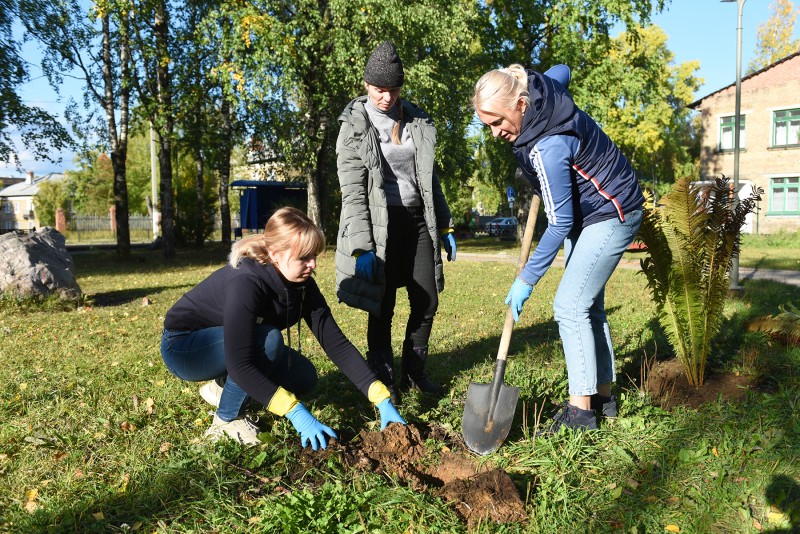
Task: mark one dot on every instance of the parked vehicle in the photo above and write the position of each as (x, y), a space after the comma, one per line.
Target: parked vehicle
(502, 226)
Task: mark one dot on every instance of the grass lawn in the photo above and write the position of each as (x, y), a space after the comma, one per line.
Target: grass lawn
(771, 251)
(96, 435)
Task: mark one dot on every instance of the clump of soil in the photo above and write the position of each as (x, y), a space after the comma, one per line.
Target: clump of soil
(668, 387)
(477, 493)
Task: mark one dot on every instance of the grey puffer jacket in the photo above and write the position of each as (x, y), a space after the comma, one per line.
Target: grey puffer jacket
(364, 218)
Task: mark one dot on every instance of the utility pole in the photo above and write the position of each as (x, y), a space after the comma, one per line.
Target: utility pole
(734, 283)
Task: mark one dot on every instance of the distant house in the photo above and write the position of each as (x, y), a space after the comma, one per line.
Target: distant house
(5, 181)
(16, 202)
(769, 141)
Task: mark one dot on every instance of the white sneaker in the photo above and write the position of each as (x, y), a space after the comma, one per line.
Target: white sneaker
(241, 429)
(211, 393)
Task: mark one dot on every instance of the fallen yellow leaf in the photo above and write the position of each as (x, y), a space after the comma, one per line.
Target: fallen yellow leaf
(124, 482)
(672, 528)
(776, 517)
(99, 516)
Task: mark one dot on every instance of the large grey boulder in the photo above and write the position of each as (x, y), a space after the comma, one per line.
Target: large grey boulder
(37, 265)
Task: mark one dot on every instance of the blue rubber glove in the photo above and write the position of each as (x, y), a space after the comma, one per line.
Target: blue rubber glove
(310, 430)
(520, 292)
(449, 243)
(389, 414)
(365, 265)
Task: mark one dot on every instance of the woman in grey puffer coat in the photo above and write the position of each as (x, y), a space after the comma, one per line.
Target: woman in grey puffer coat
(393, 216)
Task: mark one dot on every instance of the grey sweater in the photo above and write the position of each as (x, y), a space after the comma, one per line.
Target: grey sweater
(398, 163)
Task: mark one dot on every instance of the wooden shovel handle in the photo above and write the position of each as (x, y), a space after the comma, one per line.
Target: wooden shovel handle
(524, 254)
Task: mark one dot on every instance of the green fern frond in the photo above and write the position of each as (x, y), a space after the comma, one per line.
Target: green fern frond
(657, 263)
(784, 325)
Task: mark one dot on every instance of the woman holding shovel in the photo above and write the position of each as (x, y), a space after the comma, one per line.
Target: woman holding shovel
(393, 217)
(593, 205)
(229, 327)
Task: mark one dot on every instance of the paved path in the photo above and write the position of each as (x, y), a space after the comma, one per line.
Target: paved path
(745, 273)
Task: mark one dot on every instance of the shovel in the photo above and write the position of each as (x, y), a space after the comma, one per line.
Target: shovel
(489, 410)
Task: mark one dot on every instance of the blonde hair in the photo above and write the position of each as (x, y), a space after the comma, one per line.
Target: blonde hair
(287, 229)
(505, 86)
(398, 122)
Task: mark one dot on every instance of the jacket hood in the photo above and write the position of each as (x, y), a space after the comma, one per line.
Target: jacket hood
(550, 112)
(357, 103)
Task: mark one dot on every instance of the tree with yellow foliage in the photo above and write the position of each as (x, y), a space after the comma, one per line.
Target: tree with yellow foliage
(774, 37)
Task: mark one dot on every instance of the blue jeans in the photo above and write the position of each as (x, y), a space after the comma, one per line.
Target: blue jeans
(199, 355)
(591, 254)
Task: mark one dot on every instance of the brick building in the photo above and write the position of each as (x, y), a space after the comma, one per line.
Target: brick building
(769, 141)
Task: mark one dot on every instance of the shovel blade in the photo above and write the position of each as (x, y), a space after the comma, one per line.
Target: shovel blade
(484, 432)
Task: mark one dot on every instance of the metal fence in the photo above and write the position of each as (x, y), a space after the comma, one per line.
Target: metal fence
(96, 223)
(97, 228)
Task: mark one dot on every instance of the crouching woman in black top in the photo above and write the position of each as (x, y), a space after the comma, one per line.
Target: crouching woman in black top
(228, 329)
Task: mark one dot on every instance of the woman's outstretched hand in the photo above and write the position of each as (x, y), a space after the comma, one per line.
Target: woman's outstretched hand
(389, 414)
(310, 430)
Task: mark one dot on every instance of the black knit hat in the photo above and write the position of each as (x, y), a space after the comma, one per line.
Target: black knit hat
(384, 68)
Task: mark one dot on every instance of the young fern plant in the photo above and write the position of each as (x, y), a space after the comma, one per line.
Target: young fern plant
(691, 239)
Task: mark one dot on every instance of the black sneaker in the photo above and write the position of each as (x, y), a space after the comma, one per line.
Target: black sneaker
(570, 417)
(605, 406)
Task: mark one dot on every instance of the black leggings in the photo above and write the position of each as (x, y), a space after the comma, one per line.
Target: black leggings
(409, 263)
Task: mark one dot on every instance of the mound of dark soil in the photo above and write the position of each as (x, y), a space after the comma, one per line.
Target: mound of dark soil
(668, 387)
(478, 494)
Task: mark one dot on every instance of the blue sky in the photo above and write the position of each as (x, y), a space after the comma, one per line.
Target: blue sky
(704, 30)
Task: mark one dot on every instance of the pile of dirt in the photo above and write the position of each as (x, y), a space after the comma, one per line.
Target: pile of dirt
(477, 493)
(668, 386)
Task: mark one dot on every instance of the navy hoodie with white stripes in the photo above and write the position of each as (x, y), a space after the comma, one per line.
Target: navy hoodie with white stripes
(581, 175)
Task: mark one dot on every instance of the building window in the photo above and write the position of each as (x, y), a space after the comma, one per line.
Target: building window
(786, 127)
(727, 125)
(7, 206)
(784, 195)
